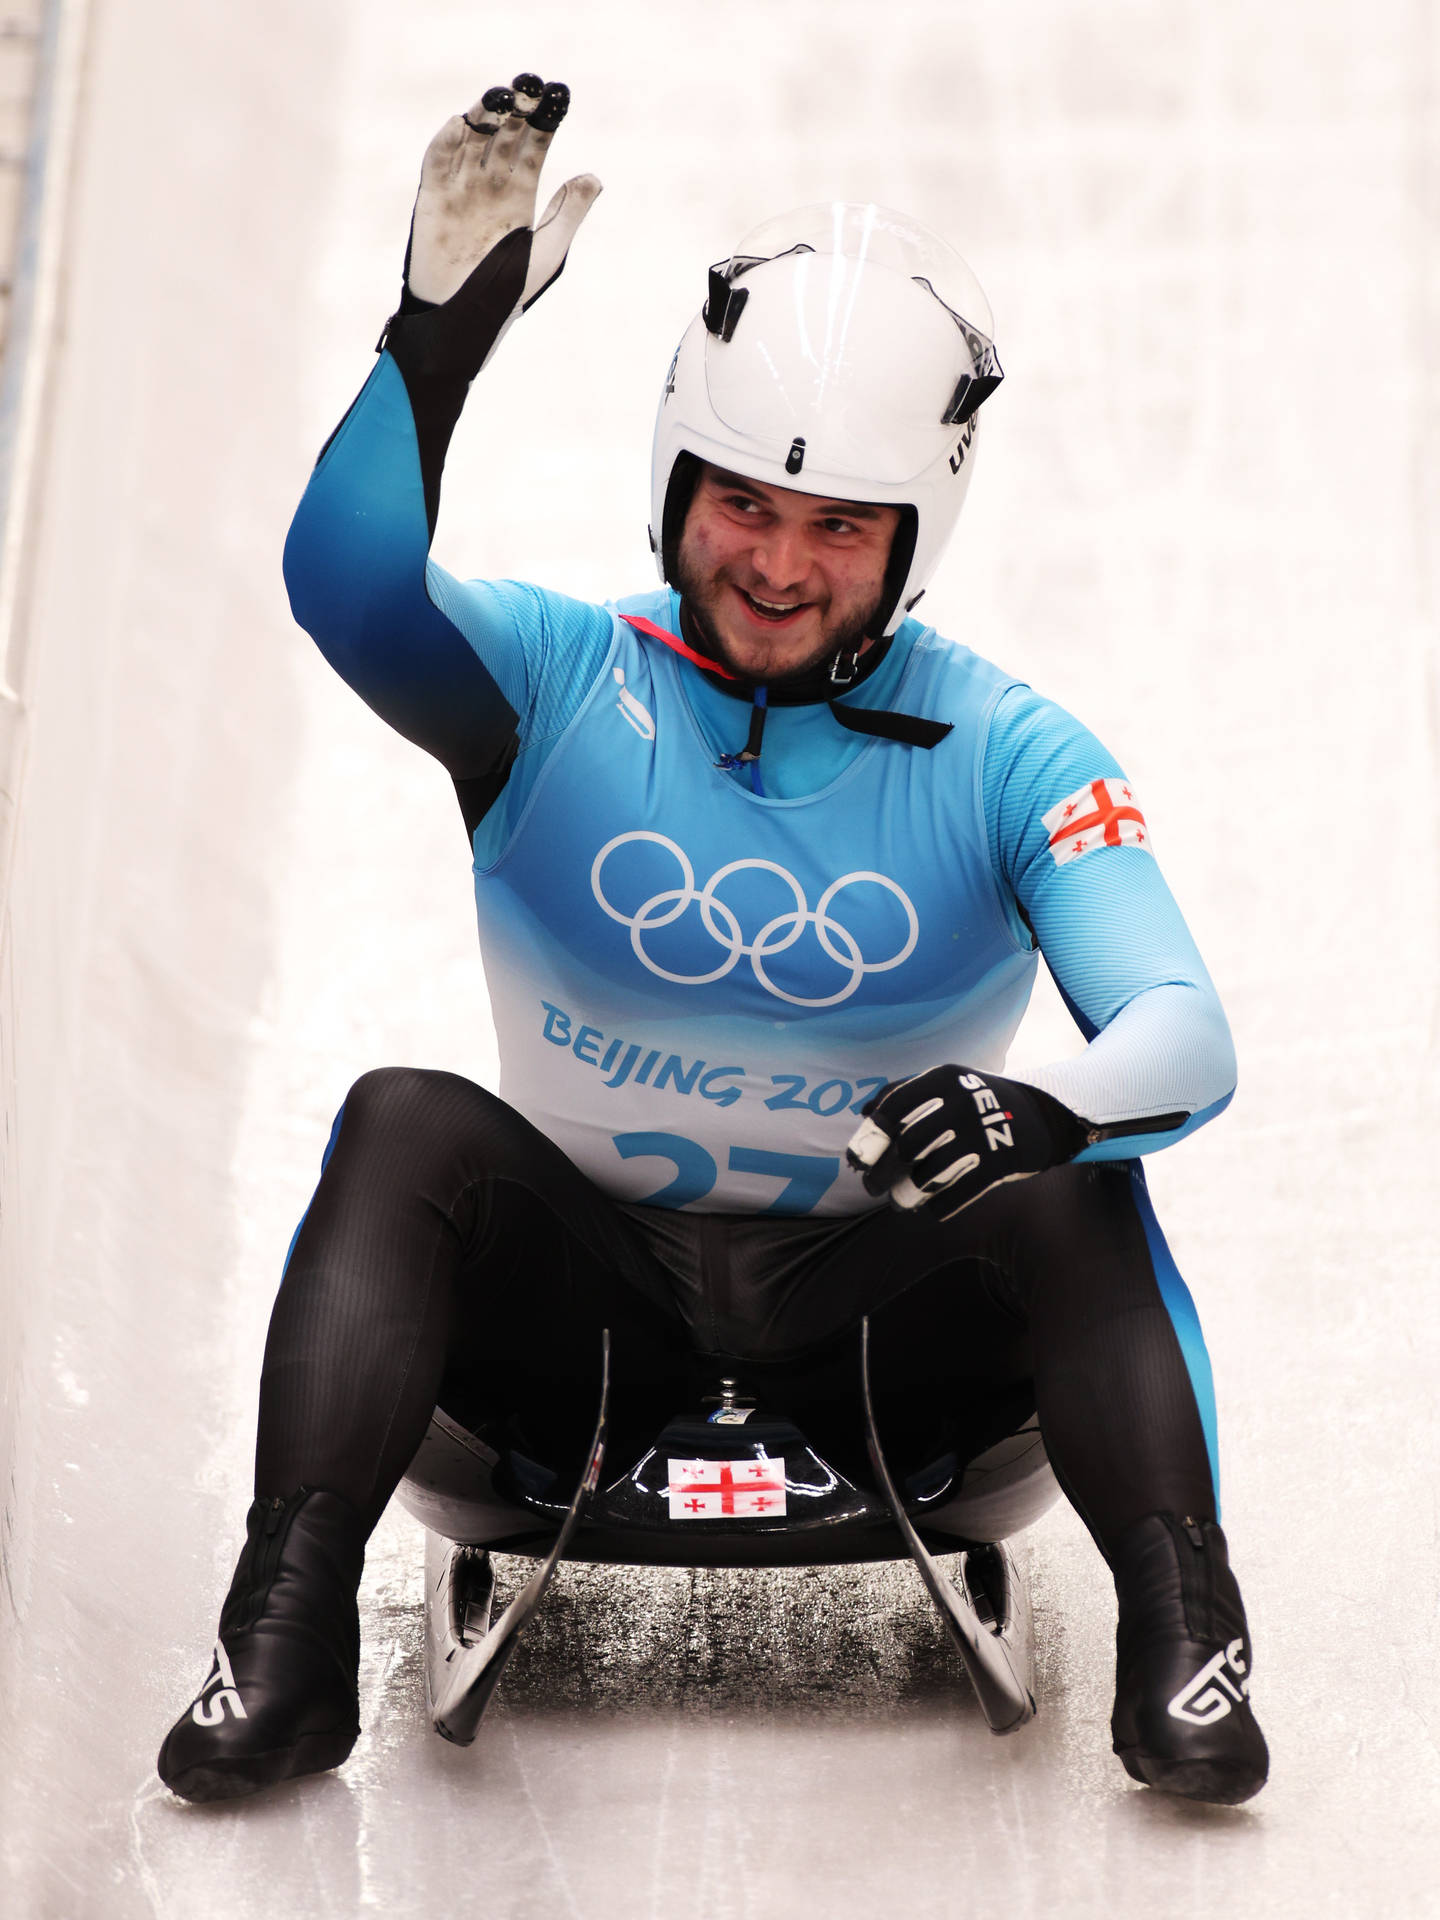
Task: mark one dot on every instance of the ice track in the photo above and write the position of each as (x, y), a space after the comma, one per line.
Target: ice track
(1207, 518)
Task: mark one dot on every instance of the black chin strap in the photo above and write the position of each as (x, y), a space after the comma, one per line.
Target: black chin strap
(820, 683)
(880, 723)
(883, 724)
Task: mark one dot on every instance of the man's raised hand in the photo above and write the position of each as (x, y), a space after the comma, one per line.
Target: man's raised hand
(943, 1138)
(476, 258)
(478, 188)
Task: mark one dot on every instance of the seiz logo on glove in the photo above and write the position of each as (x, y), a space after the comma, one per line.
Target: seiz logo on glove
(945, 1137)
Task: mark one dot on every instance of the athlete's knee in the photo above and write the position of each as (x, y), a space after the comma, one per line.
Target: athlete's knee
(1076, 1229)
(1090, 1201)
(420, 1113)
(389, 1093)
(413, 1106)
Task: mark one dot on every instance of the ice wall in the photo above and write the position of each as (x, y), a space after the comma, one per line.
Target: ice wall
(1205, 518)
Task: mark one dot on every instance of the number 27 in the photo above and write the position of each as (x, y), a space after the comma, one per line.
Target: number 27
(807, 1177)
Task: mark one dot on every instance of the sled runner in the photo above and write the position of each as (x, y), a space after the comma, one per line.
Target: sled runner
(988, 1615)
(732, 1483)
(464, 1653)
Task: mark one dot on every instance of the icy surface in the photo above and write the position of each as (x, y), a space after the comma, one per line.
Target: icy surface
(1206, 519)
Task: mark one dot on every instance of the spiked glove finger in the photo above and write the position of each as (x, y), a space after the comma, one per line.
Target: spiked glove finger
(478, 183)
(945, 1137)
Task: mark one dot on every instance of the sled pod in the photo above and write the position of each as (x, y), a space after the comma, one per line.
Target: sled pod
(469, 1491)
(731, 1484)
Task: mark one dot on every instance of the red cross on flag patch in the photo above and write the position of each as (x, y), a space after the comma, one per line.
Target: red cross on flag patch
(710, 1489)
(1102, 813)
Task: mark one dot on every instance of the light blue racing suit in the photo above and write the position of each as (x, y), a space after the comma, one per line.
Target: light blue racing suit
(696, 988)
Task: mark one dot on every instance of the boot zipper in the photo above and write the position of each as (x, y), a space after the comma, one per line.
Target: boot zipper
(273, 1536)
(1197, 1581)
(265, 1556)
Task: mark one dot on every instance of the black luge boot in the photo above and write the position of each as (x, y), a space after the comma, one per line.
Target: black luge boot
(1183, 1720)
(282, 1698)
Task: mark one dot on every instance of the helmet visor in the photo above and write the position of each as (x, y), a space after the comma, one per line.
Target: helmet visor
(877, 236)
(868, 337)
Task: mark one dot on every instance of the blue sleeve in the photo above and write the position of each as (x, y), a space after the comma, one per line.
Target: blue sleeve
(1160, 1061)
(471, 671)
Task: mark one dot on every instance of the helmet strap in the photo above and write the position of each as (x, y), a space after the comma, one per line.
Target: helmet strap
(846, 664)
(684, 477)
(897, 568)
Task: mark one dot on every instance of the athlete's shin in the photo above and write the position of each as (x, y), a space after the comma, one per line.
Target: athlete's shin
(1123, 1398)
(357, 1339)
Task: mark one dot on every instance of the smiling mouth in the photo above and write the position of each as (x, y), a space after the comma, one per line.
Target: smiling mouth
(773, 612)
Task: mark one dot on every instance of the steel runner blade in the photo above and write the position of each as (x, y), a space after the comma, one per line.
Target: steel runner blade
(1005, 1697)
(462, 1688)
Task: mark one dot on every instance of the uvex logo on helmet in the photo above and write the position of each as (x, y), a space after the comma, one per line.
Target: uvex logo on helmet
(957, 458)
(838, 350)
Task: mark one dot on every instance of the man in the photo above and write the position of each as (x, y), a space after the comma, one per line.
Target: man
(755, 854)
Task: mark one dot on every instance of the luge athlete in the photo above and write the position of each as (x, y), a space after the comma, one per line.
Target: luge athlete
(763, 866)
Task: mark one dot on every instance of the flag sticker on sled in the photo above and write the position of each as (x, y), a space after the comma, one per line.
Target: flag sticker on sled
(1102, 813)
(716, 1489)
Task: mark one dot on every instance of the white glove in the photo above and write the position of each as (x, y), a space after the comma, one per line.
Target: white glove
(478, 183)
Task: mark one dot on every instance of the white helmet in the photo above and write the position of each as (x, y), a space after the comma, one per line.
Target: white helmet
(843, 351)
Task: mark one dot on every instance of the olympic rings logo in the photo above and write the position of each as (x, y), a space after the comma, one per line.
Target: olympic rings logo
(778, 934)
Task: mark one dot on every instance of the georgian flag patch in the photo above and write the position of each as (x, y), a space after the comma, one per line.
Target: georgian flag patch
(1102, 813)
(714, 1489)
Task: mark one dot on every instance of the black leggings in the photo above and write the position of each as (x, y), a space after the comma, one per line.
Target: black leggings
(453, 1255)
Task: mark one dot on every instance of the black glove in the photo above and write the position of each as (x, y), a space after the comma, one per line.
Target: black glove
(944, 1137)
